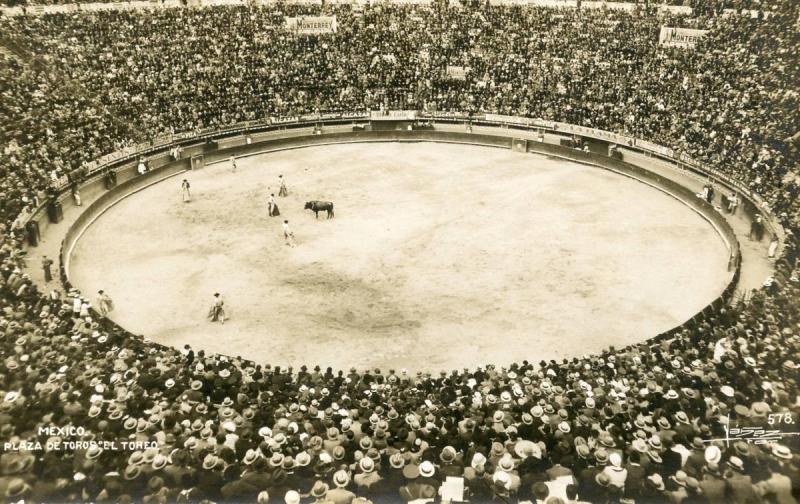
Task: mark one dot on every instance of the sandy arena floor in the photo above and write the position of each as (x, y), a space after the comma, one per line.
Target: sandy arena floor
(440, 256)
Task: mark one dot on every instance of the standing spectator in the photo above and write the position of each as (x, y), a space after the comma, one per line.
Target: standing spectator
(47, 264)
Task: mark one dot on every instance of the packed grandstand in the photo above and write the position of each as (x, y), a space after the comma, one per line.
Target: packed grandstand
(635, 423)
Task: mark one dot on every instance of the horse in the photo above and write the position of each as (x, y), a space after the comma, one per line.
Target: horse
(319, 206)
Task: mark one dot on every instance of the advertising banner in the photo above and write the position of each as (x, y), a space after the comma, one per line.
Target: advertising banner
(686, 38)
(456, 72)
(626, 6)
(658, 149)
(506, 119)
(393, 115)
(311, 25)
(594, 133)
(675, 9)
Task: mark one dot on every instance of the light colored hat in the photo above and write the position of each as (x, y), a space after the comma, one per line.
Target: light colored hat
(292, 497)
(319, 489)
(781, 451)
(159, 462)
(426, 469)
(506, 463)
(478, 460)
(502, 478)
(736, 463)
(713, 455)
(341, 479)
(367, 465)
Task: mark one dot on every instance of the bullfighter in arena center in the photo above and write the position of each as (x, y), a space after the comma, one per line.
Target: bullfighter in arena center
(185, 193)
(272, 208)
(288, 235)
(217, 312)
(283, 192)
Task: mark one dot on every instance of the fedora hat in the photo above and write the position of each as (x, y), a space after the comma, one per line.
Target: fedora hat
(319, 489)
(448, 455)
(478, 460)
(288, 463)
(602, 479)
(136, 458)
(93, 452)
(656, 482)
(132, 472)
(276, 460)
(341, 479)
(736, 463)
(411, 472)
(655, 456)
(159, 462)
(367, 465)
(781, 452)
(17, 488)
(655, 441)
(397, 460)
(302, 459)
(249, 457)
(505, 463)
(713, 454)
(427, 469)
(679, 478)
(210, 462)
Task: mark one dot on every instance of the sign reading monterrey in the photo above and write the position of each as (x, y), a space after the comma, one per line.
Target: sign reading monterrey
(311, 25)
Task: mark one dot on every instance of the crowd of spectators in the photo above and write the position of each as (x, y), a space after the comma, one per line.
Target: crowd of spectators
(729, 103)
(651, 422)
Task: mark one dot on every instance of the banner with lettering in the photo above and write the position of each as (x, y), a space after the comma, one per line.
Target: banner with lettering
(652, 147)
(393, 115)
(311, 25)
(456, 72)
(686, 38)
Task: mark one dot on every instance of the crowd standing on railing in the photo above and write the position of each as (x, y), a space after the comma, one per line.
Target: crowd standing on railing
(653, 422)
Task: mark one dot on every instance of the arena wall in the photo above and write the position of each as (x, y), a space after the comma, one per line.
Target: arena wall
(248, 144)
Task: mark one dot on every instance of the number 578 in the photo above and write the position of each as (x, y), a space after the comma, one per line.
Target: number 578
(780, 418)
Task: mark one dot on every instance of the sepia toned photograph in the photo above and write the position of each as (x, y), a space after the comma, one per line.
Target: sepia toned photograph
(400, 251)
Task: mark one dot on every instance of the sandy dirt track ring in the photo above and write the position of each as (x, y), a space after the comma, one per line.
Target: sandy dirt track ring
(441, 256)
